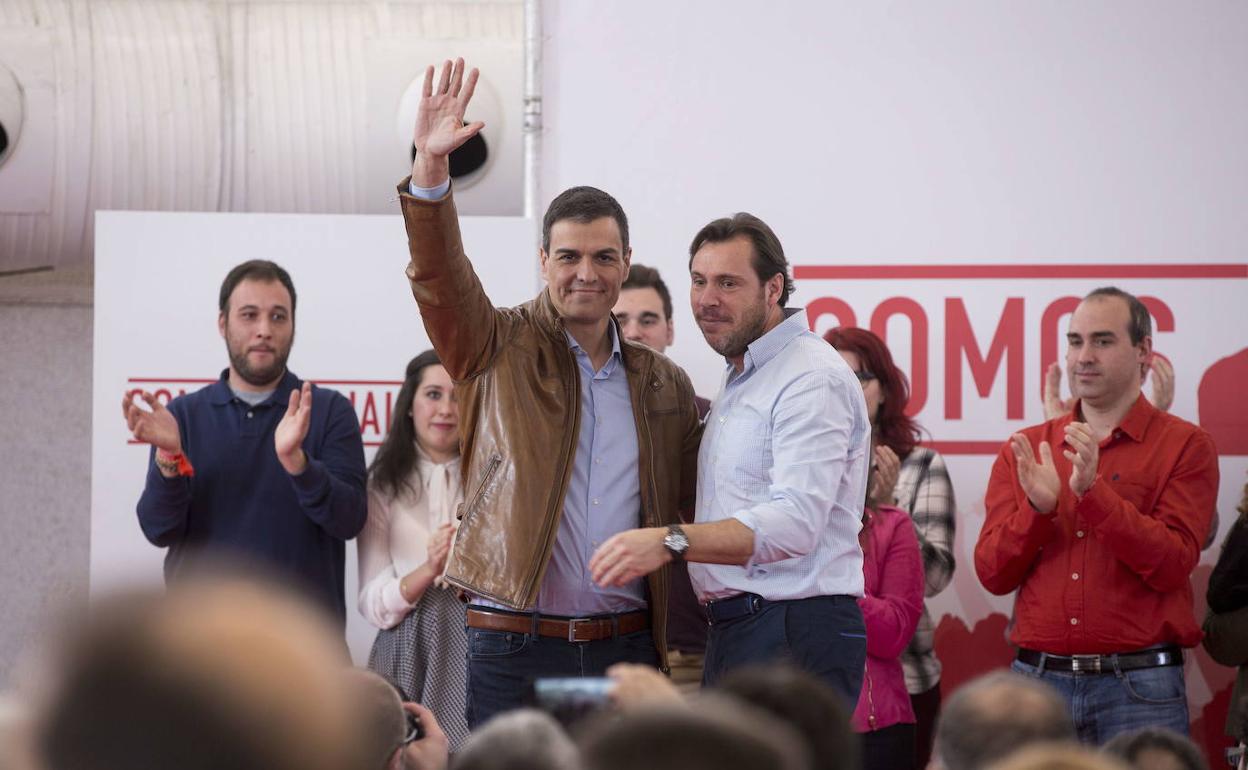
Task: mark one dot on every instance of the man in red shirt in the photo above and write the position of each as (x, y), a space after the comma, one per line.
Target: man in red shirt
(1096, 518)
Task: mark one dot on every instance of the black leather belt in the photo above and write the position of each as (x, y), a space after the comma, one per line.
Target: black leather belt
(723, 610)
(1103, 664)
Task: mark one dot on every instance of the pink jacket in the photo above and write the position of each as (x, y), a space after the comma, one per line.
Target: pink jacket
(893, 572)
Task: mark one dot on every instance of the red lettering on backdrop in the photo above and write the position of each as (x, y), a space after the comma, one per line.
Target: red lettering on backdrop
(918, 344)
(369, 415)
(1007, 343)
(831, 306)
(1163, 316)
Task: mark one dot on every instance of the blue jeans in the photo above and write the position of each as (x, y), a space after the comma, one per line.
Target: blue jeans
(823, 635)
(1106, 704)
(503, 665)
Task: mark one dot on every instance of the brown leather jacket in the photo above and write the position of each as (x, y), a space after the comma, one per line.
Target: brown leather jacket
(517, 383)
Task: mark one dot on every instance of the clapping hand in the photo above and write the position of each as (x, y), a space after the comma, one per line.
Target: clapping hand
(440, 547)
(884, 480)
(1163, 382)
(293, 429)
(1083, 455)
(1054, 406)
(1037, 478)
(156, 427)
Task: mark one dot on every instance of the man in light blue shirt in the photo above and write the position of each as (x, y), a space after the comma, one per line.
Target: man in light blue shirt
(782, 475)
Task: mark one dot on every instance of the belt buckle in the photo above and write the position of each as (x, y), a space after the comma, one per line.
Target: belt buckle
(572, 624)
(1080, 664)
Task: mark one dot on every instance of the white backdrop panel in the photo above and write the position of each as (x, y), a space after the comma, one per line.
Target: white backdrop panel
(157, 279)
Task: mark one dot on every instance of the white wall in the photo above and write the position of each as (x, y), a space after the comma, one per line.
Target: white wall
(905, 132)
(960, 132)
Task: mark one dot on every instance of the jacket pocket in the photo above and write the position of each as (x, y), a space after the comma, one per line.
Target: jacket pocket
(487, 481)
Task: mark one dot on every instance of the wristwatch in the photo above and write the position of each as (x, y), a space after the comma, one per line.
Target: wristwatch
(676, 542)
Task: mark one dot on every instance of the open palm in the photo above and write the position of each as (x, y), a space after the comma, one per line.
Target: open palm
(440, 125)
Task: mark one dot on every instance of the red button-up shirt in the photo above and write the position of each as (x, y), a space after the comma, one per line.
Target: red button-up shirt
(1106, 572)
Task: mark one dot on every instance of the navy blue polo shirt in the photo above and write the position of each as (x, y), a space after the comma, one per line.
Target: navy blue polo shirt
(242, 504)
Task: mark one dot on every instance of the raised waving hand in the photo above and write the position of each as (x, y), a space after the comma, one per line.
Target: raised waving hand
(440, 127)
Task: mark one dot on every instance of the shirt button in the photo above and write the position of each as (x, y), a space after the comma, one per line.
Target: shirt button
(597, 461)
(721, 419)
(1074, 621)
(595, 501)
(1074, 576)
(250, 415)
(1079, 533)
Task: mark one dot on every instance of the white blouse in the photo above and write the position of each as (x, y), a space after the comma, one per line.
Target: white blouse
(396, 536)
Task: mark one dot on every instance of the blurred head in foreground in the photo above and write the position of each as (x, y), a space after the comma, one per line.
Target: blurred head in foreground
(215, 673)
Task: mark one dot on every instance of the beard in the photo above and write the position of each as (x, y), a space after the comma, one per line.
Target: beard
(737, 339)
(258, 376)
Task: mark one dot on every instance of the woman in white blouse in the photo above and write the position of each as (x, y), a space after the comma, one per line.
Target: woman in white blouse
(413, 492)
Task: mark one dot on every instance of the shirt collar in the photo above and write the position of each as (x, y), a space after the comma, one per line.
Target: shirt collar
(615, 340)
(427, 462)
(1137, 419)
(768, 346)
(1133, 424)
(219, 392)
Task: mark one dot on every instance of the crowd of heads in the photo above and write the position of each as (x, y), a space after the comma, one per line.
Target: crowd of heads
(225, 672)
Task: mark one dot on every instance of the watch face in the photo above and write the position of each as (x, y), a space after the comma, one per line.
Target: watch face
(676, 542)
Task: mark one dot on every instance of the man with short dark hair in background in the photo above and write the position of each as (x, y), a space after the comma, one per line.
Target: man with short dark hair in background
(570, 432)
(782, 476)
(995, 715)
(644, 312)
(1097, 518)
(260, 465)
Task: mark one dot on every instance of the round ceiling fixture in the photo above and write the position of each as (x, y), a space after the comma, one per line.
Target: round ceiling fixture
(472, 161)
(10, 113)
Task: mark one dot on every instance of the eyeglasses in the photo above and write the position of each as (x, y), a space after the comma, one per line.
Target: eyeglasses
(864, 376)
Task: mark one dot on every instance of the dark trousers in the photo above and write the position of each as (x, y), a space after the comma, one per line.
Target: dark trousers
(926, 707)
(890, 748)
(503, 665)
(823, 635)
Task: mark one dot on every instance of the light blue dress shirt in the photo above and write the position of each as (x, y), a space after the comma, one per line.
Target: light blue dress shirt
(786, 451)
(604, 494)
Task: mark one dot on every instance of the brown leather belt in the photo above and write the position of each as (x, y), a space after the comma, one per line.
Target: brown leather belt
(568, 629)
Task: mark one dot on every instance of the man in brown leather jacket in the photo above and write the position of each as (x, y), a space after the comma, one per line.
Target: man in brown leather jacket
(570, 433)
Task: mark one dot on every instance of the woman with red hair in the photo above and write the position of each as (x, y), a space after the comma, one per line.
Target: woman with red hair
(913, 478)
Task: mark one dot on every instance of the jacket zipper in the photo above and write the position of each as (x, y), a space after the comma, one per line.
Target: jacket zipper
(548, 536)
